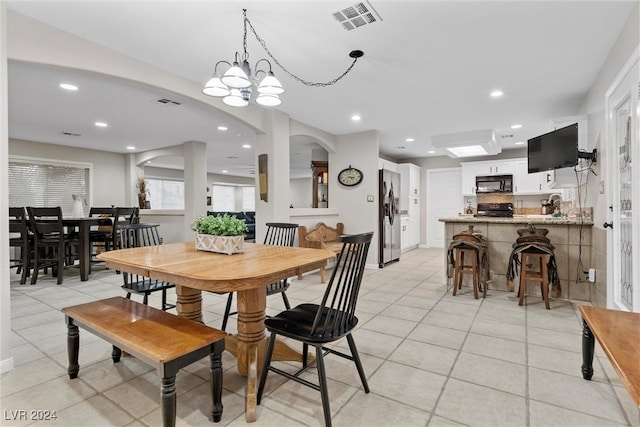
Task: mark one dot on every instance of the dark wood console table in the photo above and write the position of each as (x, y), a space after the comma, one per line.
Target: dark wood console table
(618, 333)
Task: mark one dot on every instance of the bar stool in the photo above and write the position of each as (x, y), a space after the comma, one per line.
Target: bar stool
(541, 275)
(470, 267)
(468, 254)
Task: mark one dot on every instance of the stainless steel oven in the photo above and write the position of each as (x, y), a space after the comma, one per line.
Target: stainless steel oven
(494, 184)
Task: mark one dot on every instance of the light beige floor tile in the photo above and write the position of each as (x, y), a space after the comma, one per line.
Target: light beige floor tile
(551, 359)
(390, 325)
(96, 411)
(437, 421)
(543, 415)
(493, 373)
(444, 337)
(393, 380)
(499, 329)
(498, 348)
(589, 397)
(448, 320)
(29, 375)
(414, 314)
(475, 405)
(374, 410)
(425, 356)
(561, 340)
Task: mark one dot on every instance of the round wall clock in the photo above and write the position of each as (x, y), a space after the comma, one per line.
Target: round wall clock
(350, 176)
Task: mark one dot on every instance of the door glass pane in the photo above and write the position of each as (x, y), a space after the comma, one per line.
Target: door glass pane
(623, 136)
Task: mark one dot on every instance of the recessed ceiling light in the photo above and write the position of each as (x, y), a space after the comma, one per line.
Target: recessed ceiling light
(101, 124)
(246, 145)
(148, 162)
(130, 147)
(409, 140)
(518, 126)
(68, 86)
(355, 117)
(497, 93)
(225, 171)
(520, 143)
(222, 128)
(431, 152)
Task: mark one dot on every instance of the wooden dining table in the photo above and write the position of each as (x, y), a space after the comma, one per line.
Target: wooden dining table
(245, 273)
(84, 251)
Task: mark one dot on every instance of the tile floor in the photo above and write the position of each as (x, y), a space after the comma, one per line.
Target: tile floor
(431, 360)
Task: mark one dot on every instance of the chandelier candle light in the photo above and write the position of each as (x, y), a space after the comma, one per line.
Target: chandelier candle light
(235, 85)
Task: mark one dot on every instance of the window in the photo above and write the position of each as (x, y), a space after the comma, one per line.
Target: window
(34, 182)
(248, 198)
(233, 198)
(165, 193)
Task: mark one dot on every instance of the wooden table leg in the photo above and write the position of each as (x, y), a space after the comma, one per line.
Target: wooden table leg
(251, 342)
(189, 303)
(587, 351)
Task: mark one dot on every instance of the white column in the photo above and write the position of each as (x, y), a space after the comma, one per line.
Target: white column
(195, 183)
(6, 358)
(275, 144)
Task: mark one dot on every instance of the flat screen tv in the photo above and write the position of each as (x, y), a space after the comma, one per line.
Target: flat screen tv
(554, 150)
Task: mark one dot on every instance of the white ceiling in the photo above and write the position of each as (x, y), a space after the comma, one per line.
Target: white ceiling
(428, 69)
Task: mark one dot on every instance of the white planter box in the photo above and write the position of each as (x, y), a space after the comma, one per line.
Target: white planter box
(221, 244)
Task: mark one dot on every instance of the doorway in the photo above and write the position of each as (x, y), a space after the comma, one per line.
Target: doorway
(444, 200)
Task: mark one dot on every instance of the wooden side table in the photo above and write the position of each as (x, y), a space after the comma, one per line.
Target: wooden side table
(618, 333)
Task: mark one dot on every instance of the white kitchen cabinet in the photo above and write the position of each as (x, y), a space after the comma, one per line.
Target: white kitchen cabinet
(524, 182)
(409, 184)
(414, 222)
(492, 167)
(404, 233)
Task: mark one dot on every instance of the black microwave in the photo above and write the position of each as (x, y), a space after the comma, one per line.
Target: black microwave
(494, 184)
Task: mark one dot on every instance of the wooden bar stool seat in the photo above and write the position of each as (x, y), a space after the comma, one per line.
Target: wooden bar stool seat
(529, 274)
(466, 262)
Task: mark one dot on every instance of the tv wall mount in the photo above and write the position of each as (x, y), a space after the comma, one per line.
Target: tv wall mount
(593, 156)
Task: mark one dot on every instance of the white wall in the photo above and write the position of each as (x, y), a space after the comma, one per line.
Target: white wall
(300, 192)
(359, 150)
(108, 168)
(6, 358)
(593, 106)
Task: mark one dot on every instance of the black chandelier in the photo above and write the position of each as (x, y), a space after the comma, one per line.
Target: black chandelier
(235, 85)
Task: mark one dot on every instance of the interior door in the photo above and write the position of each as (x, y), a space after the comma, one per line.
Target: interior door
(444, 200)
(622, 130)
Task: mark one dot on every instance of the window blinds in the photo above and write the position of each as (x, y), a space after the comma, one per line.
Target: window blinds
(34, 184)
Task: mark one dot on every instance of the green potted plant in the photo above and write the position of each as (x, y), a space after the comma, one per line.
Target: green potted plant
(220, 233)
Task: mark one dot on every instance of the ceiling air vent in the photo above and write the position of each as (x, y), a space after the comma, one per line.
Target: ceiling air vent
(357, 15)
(166, 101)
(70, 134)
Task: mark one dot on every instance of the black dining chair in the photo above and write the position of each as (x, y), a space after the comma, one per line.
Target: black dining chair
(278, 234)
(136, 236)
(52, 246)
(124, 216)
(21, 239)
(101, 237)
(320, 324)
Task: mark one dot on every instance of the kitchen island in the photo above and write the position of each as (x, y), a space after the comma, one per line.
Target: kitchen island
(570, 236)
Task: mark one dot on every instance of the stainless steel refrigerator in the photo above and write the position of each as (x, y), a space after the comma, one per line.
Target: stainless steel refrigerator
(389, 217)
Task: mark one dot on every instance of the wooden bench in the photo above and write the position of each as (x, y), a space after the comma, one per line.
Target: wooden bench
(618, 333)
(162, 340)
(321, 236)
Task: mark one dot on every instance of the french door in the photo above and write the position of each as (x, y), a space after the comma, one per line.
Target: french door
(623, 152)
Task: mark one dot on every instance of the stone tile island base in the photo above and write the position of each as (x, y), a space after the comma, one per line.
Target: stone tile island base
(572, 241)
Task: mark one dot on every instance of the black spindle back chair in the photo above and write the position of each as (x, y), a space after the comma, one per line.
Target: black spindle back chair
(278, 234)
(136, 236)
(320, 324)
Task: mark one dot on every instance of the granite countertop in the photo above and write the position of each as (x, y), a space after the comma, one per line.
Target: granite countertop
(519, 219)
